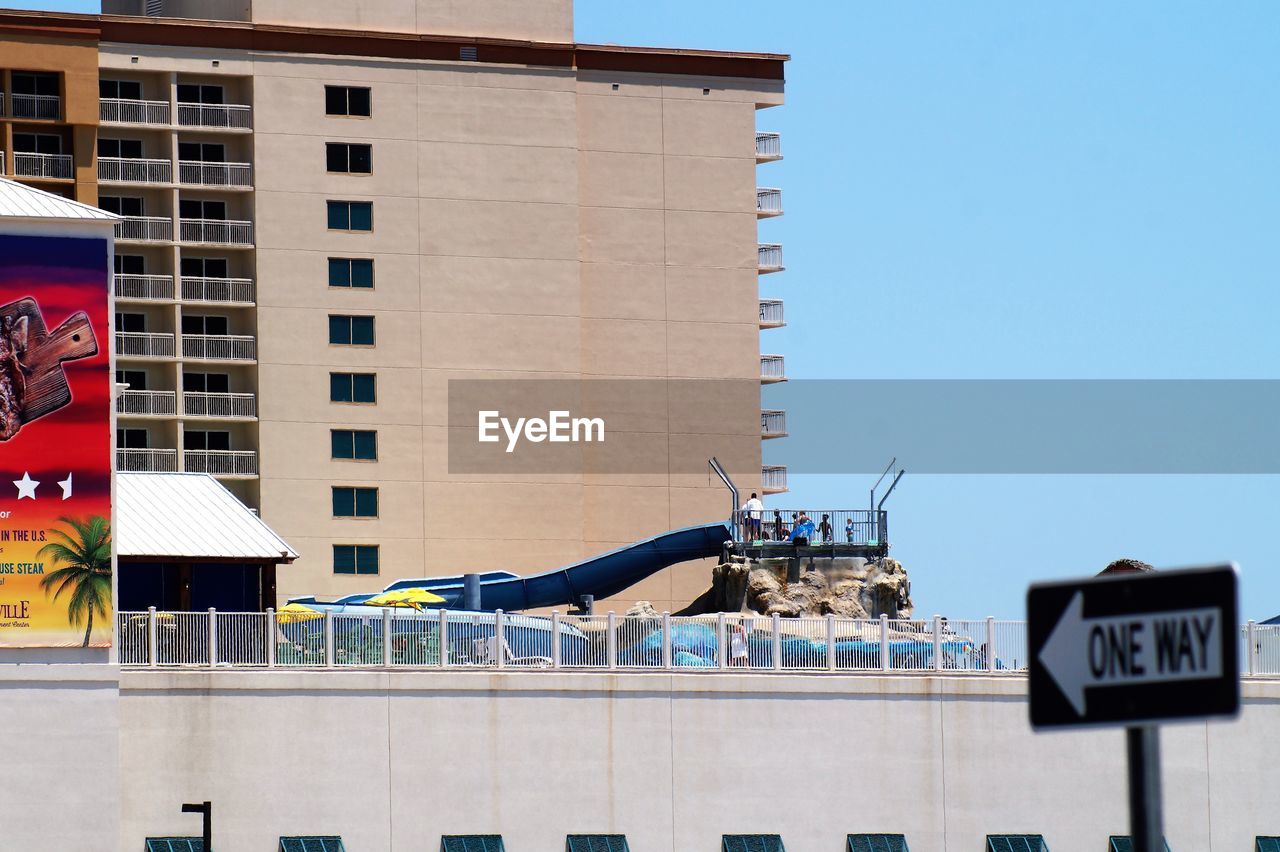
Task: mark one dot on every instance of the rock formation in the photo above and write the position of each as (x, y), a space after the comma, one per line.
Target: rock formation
(812, 587)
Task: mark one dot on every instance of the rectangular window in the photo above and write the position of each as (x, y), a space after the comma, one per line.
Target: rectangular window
(355, 559)
(194, 439)
(131, 323)
(37, 143)
(1267, 844)
(349, 158)
(878, 843)
(471, 843)
(350, 272)
(130, 264)
(122, 206)
(198, 324)
(123, 90)
(175, 844)
(353, 387)
(350, 215)
(311, 844)
(752, 843)
(1016, 843)
(355, 502)
(132, 439)
(189, 208)
(135, 379)
(204, 267)
(348, 100)
(597, 843)
(355, 444)
(190, 93)
(1125, 844)
(351, 331)
(206, 382)
(129, 149)
(202, 152)
(36, 83)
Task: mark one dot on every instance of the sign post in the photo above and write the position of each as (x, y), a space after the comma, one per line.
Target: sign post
(1135, 651)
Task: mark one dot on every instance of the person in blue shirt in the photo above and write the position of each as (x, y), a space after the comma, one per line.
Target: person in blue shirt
(802, 529)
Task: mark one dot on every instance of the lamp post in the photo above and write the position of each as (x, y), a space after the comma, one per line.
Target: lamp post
(205, 808)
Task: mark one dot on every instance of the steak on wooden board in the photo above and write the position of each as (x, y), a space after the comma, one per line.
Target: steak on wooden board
(13, 379)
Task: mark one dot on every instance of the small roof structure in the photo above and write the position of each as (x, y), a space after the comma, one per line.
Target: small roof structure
(19, 201)
(190, 517)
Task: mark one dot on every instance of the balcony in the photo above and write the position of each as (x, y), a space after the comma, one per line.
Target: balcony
(768, 203)
(233, 175)
(768, 147)
(147, 461)
(144, 288)
(771, 315)
(773, 479)
(770, 258)
(145, 229)
(141, 403)
(216, 232)
(219, 347)
(773, 369)
(43, 107)
(134, 344)
(122, 170)
(773, 424)
(239, 291)
(52, 166)
(231, 463)
(216, 116)
(219, 405)
(124, 111)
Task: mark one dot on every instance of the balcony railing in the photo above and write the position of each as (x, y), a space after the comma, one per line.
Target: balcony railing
(219, 405)
(222, 232)
(772, 526)
(768, 147)
(219, 347)
(215, 174)
(125, 111)
(231, 116)
(773, 423)
(126, 170)
(768, 202)
(773, 479)
(221, 462)
(141, 403)
(134, 344)
(58, 166)
(2, 160)
(147, 461)
(770, 258)
(36, 106)
(771, 313)
(145, 287)
(147, 229)
(234, 290)
(773, 368)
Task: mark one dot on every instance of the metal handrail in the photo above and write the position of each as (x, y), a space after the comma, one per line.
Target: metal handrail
(195, 404)
(136, 344)
(147, 403)
(221, 462)
(768, 146)
(201, 173)
(773, 423)
(772, 314)
(134, 170)
(768, 201)
(144, 287)
(146, 461)
(773, 368)
(862, 527)
(57, 166)
(773, 479)
(127, 111)
(216, 232)
(238, 290)
(231, 116)
(770, 257)
(36, 106)
(150, 229)
(219, 347)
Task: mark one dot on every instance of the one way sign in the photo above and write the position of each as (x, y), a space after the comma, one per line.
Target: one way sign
(1137, 648)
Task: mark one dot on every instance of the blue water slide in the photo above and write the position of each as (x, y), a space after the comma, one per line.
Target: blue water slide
(601, 576)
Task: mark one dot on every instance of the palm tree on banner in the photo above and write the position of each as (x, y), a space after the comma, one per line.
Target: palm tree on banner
(85, 551)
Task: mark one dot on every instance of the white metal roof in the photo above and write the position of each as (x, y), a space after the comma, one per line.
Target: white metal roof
(189, 516)
(24, 202)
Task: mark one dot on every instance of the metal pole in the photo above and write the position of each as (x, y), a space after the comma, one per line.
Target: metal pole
(777, 642)
(499, 639)
(442, 644)
(611, 639)
(1252, 638)
(328, 638)
(666, 641)
(213, 638)
(991, 643)
(271, 638)
(937, 643)
(884, 642)
(555, 640)
(722, 642)
(153, 637)
(1146, 822)
(386, 638)
(831, 643)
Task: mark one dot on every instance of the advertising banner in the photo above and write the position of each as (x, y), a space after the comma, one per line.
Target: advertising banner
(55, 443)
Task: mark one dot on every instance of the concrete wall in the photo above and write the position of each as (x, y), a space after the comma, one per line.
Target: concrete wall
(391, 761)
(535, 20)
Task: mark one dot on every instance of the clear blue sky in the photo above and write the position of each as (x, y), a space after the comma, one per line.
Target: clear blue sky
(1020, 190)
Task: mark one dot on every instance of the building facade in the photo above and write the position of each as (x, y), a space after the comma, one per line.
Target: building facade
(332, 210)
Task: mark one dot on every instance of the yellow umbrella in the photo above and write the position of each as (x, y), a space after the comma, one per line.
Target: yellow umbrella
(415, 598)
(294, 613)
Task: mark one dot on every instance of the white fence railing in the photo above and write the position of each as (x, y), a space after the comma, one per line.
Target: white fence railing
(147, 403)
(125, 111)
(221, 462)
(772, 314)
(138, 344)
(219, 404)
(47, 107)
(219, 347)
(146, 461)
(233, 116)
(773, 368)
(773, 423)
(768, 146)
(218, 290)
(151, 229)
(192, 173)
(216, 232)
(128, 170)
(773, 479)
(60, 166)
(144, 287)
(770, 257)
(768, 201)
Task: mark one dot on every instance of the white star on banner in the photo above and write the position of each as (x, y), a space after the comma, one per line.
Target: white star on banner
(26, 486)
(66, 487)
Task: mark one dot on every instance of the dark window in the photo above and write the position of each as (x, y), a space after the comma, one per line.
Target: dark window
(752, 843)
(1125, 844)
(132, 439)
(351, 331)
(206, 382)
(355, 502)
(357, 444)
(130, 264)
(350, 215)
(353, 387)
(1268, 844)
(311, 844)
(129, 149)
(175, 844)
(204, 267)
(348, 157)
(200, 324)
(135, 379)
(877, 843)
(597, 843)
(34, 83)
(1016, 843)
(133, 323)
(198, 440)
(471, 843)
(350, 272)
(125, 90)
(190, 93)
(122, 206)
(202, 152)
(347, 100)
(37, 143)
(355, 559)
(193, 208)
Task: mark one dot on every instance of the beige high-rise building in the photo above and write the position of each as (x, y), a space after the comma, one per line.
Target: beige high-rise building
(332, 209)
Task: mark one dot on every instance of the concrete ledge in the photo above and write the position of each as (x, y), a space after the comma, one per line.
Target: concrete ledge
(69, 673)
